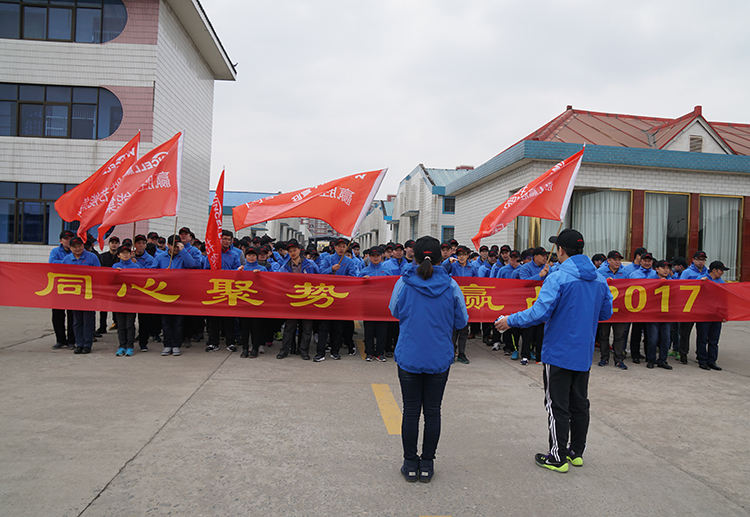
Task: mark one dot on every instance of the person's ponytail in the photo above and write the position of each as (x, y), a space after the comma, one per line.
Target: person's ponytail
(425, 269)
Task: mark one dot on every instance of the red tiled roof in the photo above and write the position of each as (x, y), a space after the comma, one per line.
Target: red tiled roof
(595, 128)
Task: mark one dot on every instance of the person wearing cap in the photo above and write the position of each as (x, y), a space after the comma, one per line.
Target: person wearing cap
(356, 248)
(485, 270)
(161, 246)
(636, 264)
(376, 332)
(696, 271)
(297, 264)
(409, 253)
(506, 271)
(125, 320)
(454, 247)
(612, 270)
(571, 302)
(445, 251)
(252, 329)
(398, 260)
(678, 266)
(217, 324)
(172, 324)
(461, 267)
(429, 305)
(144, 259)
(106, 259)
(644, 271)
(505, 251)
(148, 324)
(658, 332)
(83, 321)
(337, 264)
(709, 332)
(598, 259)
(533, 336)
(186, 237)
(484, 254)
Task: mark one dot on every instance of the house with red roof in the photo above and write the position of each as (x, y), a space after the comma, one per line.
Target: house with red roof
(672, 185)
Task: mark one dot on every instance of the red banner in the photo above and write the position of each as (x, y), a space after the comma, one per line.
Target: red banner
(214, 227)
(286, 295)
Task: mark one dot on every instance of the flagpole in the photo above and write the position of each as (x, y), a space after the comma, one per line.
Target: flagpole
(134, 234)
(173, 233)
(549, 257)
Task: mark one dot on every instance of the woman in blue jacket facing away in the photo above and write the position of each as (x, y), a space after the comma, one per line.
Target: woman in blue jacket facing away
(429, 305)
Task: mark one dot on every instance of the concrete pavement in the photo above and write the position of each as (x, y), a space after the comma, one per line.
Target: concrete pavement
(212, 434)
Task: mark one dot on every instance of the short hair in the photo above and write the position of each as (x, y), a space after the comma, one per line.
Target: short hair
(226, 233)
(571, 251)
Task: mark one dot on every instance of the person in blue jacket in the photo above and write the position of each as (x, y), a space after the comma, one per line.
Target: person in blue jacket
(659, 332)
(460, 266)
(253, 329)
(62, 338)
(707, 344)
(429, 306)
(125, 320)
(84, 322)
(506, 271)
(571, 302)
(638, 329)
(696, 271)
(376, 332)
(229, 262)
(612, 269)
(532, 337)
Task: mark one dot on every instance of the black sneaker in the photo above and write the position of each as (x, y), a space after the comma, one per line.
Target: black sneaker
(369, 358)
(144, 349)
(319, 358)
(232, 348)
(305, 356)
(157, 339)
(381, 358)
(575, 459)
(410, 470)
(548, 462)
(335, 357)
(212, 348)
(86, 350)
(352, 351)
(58, 346)
(282, 354)
(79, 350)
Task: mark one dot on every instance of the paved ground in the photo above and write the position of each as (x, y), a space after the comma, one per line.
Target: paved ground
(215, 435)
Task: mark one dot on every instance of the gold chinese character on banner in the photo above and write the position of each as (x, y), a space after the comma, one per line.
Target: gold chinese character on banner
(146, 289)
(476, 297)
(229, 291)
(68, 284)
(320, 295)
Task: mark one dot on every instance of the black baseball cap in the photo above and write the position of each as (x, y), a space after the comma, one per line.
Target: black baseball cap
(140, 237)
(599, 256)
(716, 264)
(647, 255)
(355, 245)
(453, 242)
(515, 254)
(539, 251)
(445, 245)
(427, 247)
(251, 251)
(680, 261)
(493, 253)
(700, 254)
(568, 238)
(398, 245)
(409, 244)
(184, 229)
(377, 250)
(463, 248)
(527, 253)
(76, 240)
(123, 248)
(639, 251)
(505, 247)
(65, 234)
(341, 240)
(153, 235)
(483, 248)
(662, 263)
(291, 243)
(614, 254)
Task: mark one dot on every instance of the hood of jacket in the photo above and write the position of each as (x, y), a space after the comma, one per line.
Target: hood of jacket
(580, 266)
(437, 284)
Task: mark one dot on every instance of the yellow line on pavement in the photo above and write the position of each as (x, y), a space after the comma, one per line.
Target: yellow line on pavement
(389, 410)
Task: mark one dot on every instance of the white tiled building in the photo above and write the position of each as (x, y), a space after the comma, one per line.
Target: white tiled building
(158, 60)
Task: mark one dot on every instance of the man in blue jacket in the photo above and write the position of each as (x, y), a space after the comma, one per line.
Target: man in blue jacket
(696, 271)
(64, 339)
(84, 322)
(571, 302)
(532, 337)
(612, 268)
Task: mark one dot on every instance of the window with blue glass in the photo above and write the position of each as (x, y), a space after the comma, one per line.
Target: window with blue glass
(28, 215)
(449, 205)
(58, 111)
(79, 21)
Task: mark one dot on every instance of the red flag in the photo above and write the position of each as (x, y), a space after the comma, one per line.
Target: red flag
(88, 201)
(547, 197)
(213, 228)
(150, 188)
(342, 203)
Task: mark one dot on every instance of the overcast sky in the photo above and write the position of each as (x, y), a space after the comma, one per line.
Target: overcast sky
(329, 88)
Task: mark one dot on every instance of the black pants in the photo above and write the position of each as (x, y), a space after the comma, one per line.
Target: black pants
(348, 334)
(103, 320)
(511, 339)
(125, 328)
(290, 329)
(251, 329)
(567, 404)
(392, 339)
(459, 340)
(532, 336)
(215, 325)
(421, 393)
(148, 325)
(336, 329)
(686, 328)
(58, 324)
(172, 326)
(620, 331)
(636, 331)
(376, 334)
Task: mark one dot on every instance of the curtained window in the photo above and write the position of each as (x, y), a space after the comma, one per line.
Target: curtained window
(603, 217)
(665, 225)
(718, 234)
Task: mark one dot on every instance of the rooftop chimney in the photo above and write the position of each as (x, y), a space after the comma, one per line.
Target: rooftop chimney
(698, 111)
(569, 107)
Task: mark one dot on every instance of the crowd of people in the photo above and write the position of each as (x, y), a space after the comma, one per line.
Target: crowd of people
(653, 342)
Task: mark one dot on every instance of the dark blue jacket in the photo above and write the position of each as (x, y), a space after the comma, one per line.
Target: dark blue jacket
(87, 259)
(308, 267)
(183, 260)
(428, 311)
(385, 268)
(571, 302)
(693, 273)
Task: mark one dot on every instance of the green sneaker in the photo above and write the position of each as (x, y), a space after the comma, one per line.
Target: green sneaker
(277, 336)
(575, 460)
(463, 359)
(548, 462)
(673, 353)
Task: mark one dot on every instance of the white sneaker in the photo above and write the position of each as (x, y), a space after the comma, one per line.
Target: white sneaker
(495, 346)
(167, 350)
(261, 349)
(176, 351)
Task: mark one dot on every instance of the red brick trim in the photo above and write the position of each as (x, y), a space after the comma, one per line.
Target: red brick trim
(142, 27)
(695, 224)
(137, 112)
(745, 232)
(636, 221)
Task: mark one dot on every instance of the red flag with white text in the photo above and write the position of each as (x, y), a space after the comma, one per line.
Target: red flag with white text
(149, 189)
(88, 201)
(213, 228)
(546, 197)
(343, 203)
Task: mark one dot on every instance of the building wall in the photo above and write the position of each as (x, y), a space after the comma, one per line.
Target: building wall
(164, 86)
(375, 220)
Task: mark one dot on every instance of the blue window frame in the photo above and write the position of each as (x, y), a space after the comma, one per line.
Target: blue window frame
(28, 215)
(449, 205)
(448, 233)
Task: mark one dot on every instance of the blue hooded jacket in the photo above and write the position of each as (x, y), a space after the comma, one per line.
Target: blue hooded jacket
(428, 311)
(381, 269)
(571, 302)
(693, 273)
(607, 273)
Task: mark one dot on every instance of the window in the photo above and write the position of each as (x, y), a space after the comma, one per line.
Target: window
(28, 215)
(58, 111)
(81, 21)
(448, 233)
(415, 227)
(696, 143)
(718, 234)
(449, 205)
(603, 217)
(665, 225)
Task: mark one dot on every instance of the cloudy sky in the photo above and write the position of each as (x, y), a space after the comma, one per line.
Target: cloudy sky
(329, 88)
